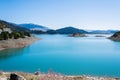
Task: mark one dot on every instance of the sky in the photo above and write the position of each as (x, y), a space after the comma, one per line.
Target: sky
(55, 14)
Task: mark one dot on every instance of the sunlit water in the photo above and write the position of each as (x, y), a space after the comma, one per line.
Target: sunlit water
(67, 55)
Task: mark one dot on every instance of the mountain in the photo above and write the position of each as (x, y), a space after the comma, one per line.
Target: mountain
(52, 32)
(103, 31)
(34, 27)
(70, 30)
(12, 26)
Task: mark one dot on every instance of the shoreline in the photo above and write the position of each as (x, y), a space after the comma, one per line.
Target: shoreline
(17, 43)
(51, 76)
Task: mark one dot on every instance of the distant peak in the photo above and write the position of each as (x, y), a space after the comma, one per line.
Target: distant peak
(69, 27)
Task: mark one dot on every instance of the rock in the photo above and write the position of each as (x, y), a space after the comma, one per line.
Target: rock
(37, 73)
(115, 37)
(1, 72)
(77, 35)
(14, 76)
(99, 36)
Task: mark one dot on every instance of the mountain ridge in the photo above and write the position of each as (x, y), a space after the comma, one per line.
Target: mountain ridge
(70, 30)
(32, 26)
(12, 26)
(39, 29)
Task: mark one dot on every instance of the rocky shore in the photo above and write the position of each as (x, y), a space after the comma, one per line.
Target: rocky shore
(17, 43)
(47, 76)
(115, 37)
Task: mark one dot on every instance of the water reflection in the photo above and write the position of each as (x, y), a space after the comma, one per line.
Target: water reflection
(8, 53)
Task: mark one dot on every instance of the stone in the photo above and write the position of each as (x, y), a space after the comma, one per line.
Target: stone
(14, 76)
(37, 73)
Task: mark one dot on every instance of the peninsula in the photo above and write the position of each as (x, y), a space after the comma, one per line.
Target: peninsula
(12, 36)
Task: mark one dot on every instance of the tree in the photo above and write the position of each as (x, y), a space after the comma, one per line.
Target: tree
(22, 35)
(16, 35)
(10, 35)
(27, 34)
(4, 35)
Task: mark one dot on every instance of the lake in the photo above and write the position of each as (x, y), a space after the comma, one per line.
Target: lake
(91, 55)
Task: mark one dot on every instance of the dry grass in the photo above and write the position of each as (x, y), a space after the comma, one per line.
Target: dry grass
(53, 76)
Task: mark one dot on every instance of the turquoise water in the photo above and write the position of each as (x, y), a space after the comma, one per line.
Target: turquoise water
(67, 55)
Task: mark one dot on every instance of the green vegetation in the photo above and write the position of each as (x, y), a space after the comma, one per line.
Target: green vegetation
(27, 34)
(4, 35)
(16, 33)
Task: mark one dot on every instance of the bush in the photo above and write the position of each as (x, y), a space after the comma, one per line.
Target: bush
(22, 35)
(10, 36)
(6, 35)
(27, 34)
(1, 38)
(16, 35)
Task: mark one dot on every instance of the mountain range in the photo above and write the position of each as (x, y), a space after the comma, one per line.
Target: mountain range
(31, 26)
(42, 29)
(70, 30)
(39, 29)
(66, 30)
(12, 26)
(102, 31)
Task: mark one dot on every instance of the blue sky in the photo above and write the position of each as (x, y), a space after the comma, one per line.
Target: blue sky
(83, 14)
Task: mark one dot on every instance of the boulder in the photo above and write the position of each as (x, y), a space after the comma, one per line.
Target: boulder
(14, 76)
(37, 73)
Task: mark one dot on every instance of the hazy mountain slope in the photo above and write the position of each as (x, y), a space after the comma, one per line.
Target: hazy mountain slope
(70, 30)
(13, 27)
(103, 31)
(35, 27)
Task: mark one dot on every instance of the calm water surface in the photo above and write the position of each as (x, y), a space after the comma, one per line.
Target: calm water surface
(74, 56)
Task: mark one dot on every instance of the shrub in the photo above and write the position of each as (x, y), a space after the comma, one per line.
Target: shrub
(22, 35)
(4, 35)
(27, 34)
(1, 38)
(16, 35)
(10, 36)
